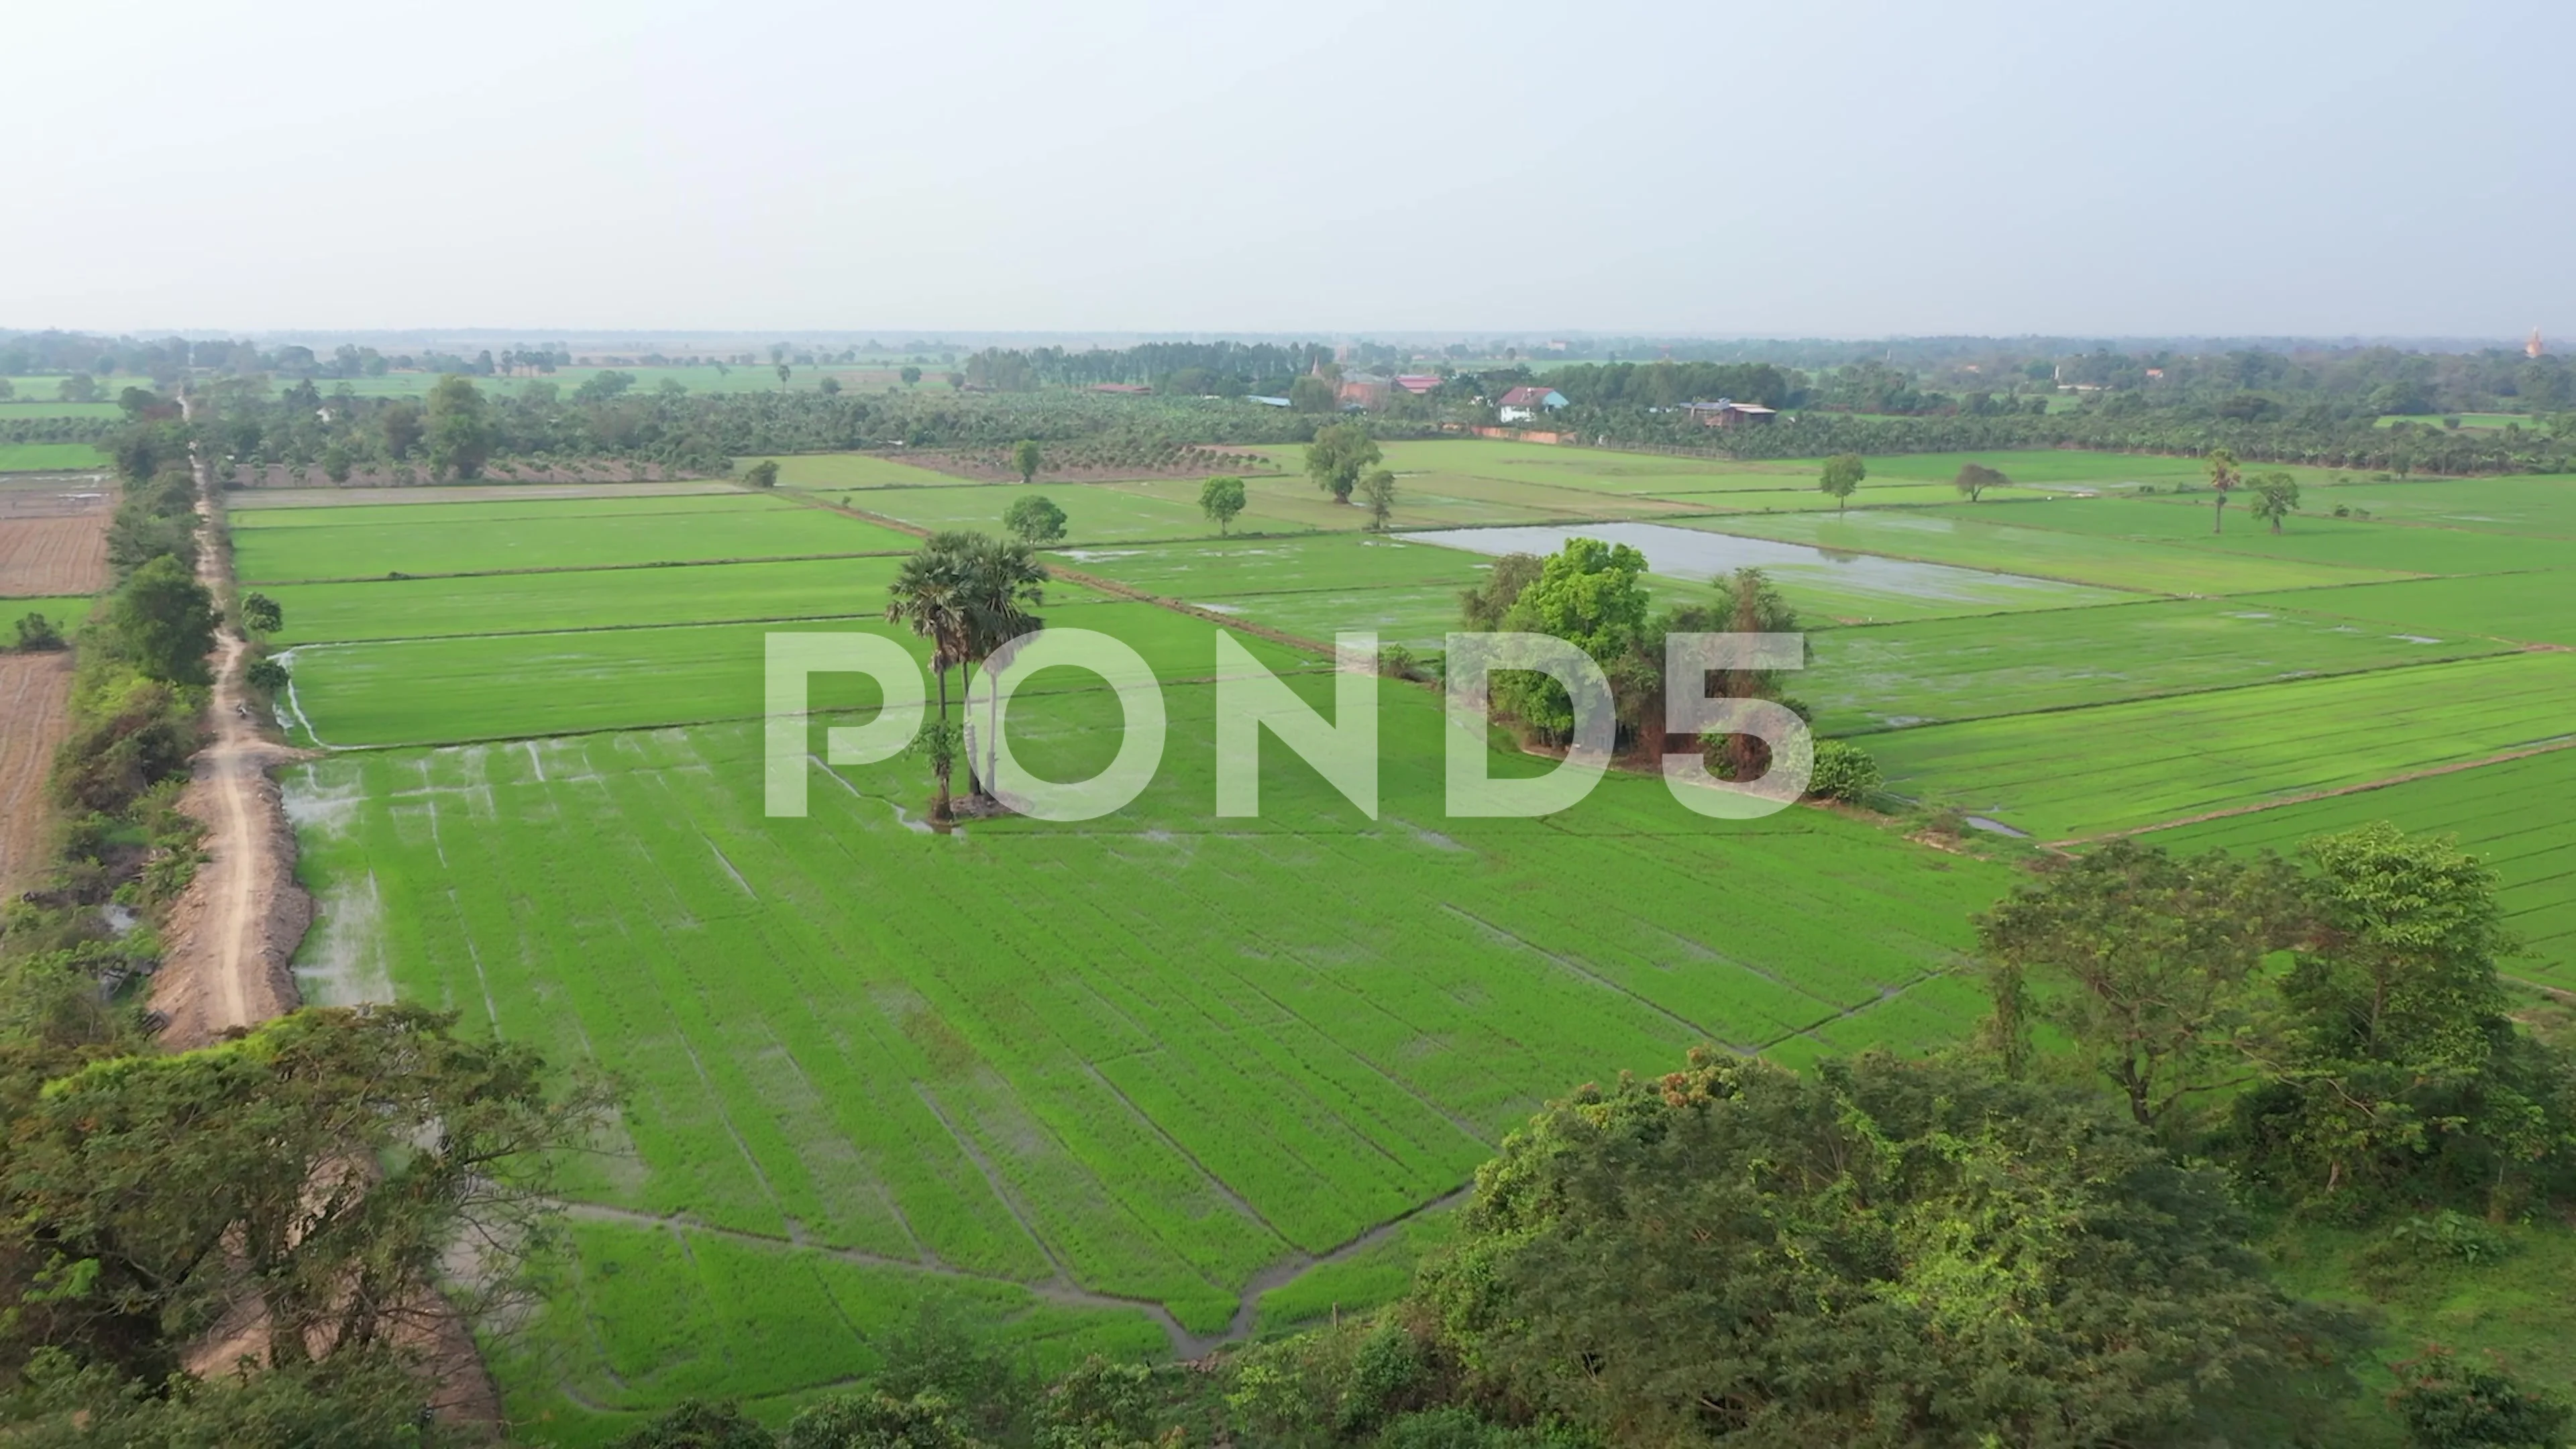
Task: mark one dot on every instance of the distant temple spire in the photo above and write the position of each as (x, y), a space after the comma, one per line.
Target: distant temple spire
(2533, 347)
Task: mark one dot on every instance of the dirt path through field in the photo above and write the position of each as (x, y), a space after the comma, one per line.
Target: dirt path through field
(234, 932)
(233, 936)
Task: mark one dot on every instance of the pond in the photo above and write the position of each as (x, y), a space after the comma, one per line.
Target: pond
(1696, 555)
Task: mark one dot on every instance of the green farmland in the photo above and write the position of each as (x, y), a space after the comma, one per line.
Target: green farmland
(280, 546)
(1138, 1084)
(2124, 766)
(49, 457)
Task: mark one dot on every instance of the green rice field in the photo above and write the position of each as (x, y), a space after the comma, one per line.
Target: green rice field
(1899, 675)
(1009, 1087)
(511, 686)
(278, 547)
(524, 603)
(2023, 539)
(1140, 1084)
(50, 457)
(2120, 767)
(2532, 608)
(2488, 809)
(60, 610)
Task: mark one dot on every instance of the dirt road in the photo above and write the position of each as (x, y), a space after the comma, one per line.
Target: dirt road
(234, 932)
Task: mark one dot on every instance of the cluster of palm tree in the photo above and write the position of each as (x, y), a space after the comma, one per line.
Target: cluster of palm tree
(970, 595)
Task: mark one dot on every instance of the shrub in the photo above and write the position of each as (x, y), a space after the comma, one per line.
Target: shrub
(1843, 772)
(2445, 1405)
(38, 634)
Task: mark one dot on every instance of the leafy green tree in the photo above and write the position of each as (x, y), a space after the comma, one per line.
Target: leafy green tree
(262, 615)
(697, 1424)
(600, 387)
(829, 387)
(1027, 457)
(1313, 395)
(155, 1194)
(1589, 594)
(763, 474)
(1221, 499)
(1975, 478)
(80, 387)
(1841, 477)
(337, 462)
(458, 427)
(1338, 455)
(2145, 963)
(1483, 607)
(2276, 496)
(164, 620)
(784, 372)
(2398, 1074)
(876, 1420)
(402, 427)
(2223, 478)
(1843, 771)
(1035, 519)
(1377, 490)
(1882, 1253)
(911, 376)
(38, 634)
(266, 675)
(369, 1399)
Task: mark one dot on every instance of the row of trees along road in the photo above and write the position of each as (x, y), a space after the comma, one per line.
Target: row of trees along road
(320, 1168)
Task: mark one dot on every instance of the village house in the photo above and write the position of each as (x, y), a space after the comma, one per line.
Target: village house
(1524, 403)
(1728, 413)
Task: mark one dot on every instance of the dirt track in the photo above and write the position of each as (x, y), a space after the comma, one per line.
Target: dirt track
(232, 938)
(234, 932)
(35, 693)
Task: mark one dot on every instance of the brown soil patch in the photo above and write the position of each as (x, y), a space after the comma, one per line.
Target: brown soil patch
(53, 541)
(35, 697)
(993, 465)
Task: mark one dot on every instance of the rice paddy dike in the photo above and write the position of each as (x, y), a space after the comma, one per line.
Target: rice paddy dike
(1143, 1083)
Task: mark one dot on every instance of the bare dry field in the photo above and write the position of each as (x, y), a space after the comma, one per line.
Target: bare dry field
(53, 540)
(35, 693)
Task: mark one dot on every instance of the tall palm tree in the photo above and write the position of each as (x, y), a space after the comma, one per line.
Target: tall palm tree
(929, 596)
(2223, 476)
(1002, 587)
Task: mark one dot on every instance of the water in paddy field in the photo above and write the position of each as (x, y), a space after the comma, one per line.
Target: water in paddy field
(1697, 555)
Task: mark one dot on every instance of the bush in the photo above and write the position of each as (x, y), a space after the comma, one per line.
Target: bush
(1843, 772)
(763, 474)
(38, 634)
(2445, 1405)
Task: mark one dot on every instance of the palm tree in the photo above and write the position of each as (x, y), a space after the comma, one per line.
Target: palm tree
(1002, 585)
(929, 596)
(2222, 477)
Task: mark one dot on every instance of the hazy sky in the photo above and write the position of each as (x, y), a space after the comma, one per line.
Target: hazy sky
(1822, 167)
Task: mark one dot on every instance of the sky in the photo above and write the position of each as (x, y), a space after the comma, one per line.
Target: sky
(1825, 168)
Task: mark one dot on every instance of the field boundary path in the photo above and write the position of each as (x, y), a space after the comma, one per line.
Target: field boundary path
(234, 932)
